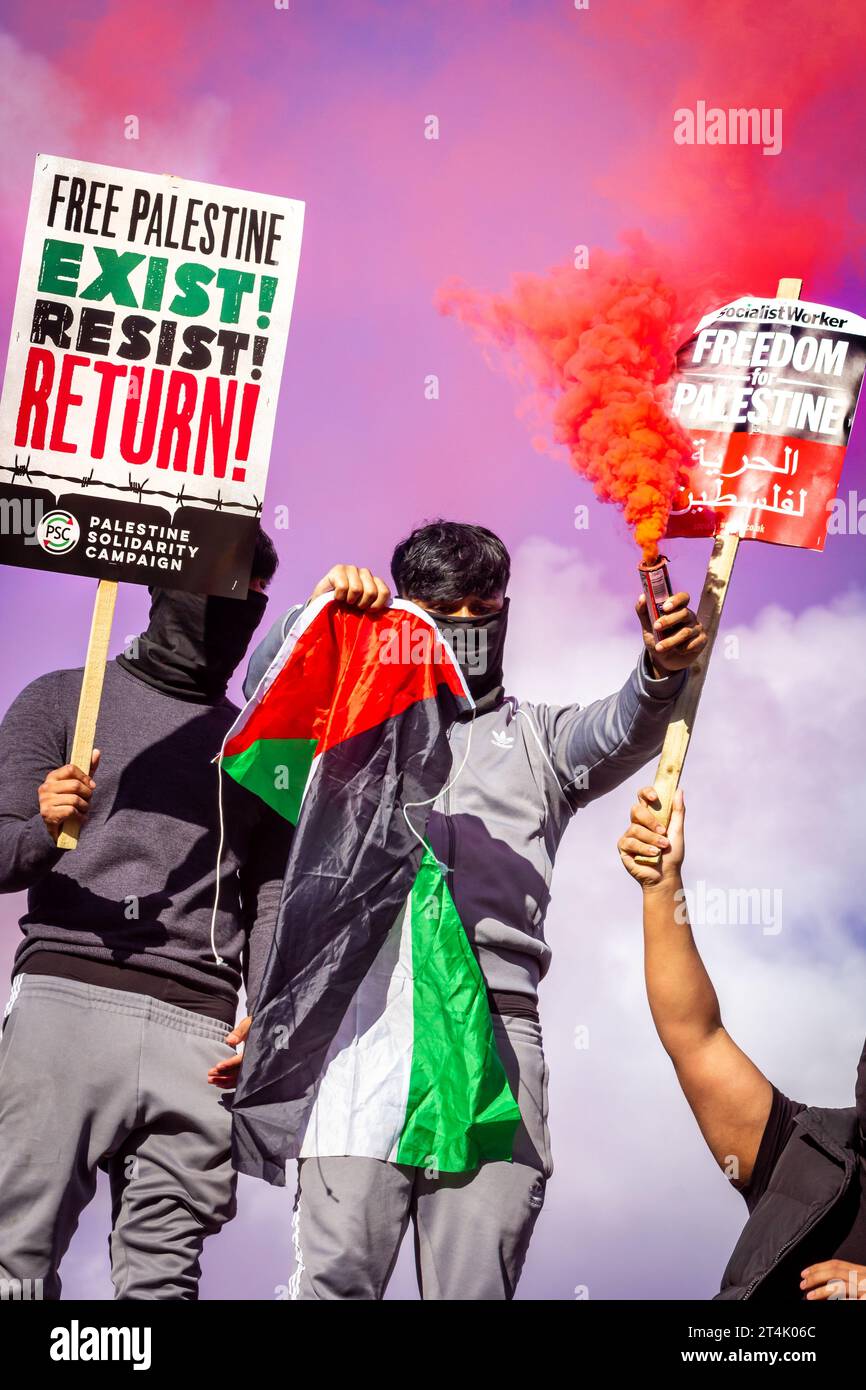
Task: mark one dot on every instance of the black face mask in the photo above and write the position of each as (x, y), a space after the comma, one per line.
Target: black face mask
(478, 644)
(194, 642)
(860, 1094)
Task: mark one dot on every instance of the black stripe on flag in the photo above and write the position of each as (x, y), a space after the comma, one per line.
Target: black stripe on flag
(351, 868)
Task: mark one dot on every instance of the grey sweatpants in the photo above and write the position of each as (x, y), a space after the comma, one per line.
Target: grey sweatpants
(472, 1230)
(102, 1078)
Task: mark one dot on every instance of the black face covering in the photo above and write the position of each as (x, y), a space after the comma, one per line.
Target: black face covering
(478, 644)
(860, 1094)
(194, 642)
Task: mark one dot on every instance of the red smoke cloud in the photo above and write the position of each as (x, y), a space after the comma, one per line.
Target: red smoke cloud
(596, 347)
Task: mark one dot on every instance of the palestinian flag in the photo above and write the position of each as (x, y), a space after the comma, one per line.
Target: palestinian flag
(372, 1032)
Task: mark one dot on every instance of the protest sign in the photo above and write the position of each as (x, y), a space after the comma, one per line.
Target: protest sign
(767, 389)
(144, 366)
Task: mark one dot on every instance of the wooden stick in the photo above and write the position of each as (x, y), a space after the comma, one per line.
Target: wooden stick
(676, 744)
(91, 694)
(679, 732)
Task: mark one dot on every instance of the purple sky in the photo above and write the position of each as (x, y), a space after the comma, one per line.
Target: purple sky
(555, 130)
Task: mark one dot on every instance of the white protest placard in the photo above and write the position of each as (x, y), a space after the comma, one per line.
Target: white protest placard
(144, 368)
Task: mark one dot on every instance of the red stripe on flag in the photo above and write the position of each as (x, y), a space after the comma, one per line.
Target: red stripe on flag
(348, 672)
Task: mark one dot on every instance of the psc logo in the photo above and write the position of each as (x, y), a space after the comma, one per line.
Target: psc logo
(58, 532)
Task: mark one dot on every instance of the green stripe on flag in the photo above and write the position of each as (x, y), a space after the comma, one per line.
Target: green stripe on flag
(276, 769)
(460, 1110)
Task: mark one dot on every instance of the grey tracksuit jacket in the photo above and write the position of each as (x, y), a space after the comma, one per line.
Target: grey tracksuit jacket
(529, 767)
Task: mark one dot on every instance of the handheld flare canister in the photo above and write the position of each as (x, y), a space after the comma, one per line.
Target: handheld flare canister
(656, 584)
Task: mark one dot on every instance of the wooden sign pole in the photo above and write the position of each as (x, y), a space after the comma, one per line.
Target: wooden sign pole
(676, 744)
(91, 694)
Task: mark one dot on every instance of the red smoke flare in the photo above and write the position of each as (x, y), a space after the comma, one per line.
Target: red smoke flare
(598, 346)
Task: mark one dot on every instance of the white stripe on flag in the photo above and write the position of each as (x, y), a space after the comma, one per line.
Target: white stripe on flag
(360, 1105)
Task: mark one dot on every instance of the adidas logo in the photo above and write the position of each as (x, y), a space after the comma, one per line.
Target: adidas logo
(502, 740)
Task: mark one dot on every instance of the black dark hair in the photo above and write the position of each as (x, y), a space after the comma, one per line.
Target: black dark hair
(446, 561)
(265, 558)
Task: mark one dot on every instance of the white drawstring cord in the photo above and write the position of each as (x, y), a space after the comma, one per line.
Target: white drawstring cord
(545, 755)
(219, 767)
(410, 805)
(216, 892)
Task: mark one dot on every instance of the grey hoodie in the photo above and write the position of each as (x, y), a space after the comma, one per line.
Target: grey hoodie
(528, 768)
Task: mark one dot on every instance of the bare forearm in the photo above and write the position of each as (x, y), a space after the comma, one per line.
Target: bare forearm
(729, 1095)
(683, 1002)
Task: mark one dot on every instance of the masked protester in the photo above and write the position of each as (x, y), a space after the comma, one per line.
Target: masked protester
(524, 770)
(801, 1169)
(125, 984)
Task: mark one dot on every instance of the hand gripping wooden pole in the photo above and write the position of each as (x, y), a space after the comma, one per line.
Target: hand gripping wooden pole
(91, 694)
(676, 744)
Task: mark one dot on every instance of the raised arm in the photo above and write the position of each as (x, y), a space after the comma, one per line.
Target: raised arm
(593, 748)
(352, 584)
(596, 747)
(729, 1096)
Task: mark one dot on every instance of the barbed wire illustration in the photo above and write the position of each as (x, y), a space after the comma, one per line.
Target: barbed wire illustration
(139, 488)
